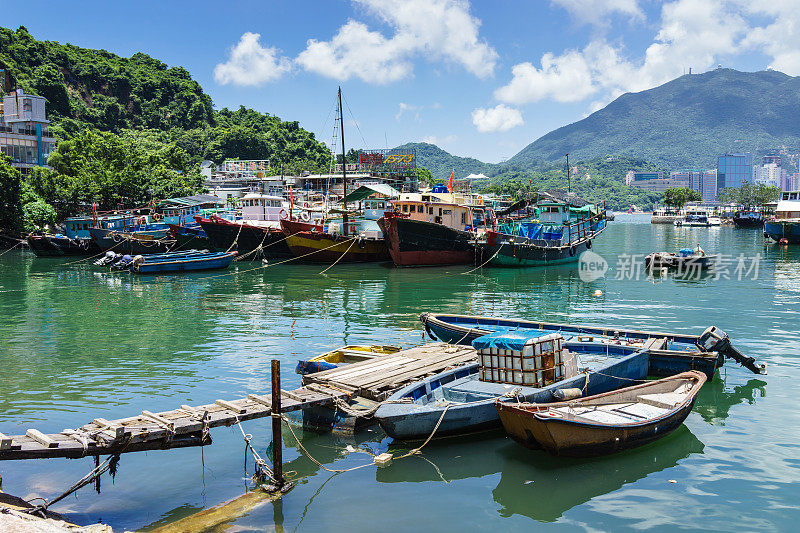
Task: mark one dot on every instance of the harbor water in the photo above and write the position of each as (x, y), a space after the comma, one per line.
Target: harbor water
(78, 342)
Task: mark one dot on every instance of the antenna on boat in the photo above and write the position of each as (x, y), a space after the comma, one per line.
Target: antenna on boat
(344, 166)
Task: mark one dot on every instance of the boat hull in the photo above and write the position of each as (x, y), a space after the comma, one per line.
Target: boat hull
(748, 222)
(420, 243)
(187, 239)
(52, 246)
(245, 239)
(186, 264)
(777, 230)
(125, 243)
(661, 363)
(570, 438)
(525, 255)
(316, 247)
(410, 421)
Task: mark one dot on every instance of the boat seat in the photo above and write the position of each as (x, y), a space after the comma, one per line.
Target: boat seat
(598, 415)
(665, 400)
(642, 410)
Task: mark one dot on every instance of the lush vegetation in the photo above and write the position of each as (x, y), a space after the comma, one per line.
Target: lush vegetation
(134, 128)
(677, 197)
(750, 195)
(686, 122)
(597, 180)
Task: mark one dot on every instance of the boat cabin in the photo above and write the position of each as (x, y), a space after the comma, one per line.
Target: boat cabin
(788, 206)
(263, 207)
(78, 227)
(553, 213)
(181, 211)
(462, 217)
(374, 208)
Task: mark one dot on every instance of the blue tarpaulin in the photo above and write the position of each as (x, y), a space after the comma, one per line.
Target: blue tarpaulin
(508, 340)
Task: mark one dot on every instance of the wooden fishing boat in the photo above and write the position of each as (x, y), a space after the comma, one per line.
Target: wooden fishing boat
(604, 423)
(560, 234)
(353, 353)
(167, 263)
(670, 353)
(129, 243)
(318, 247)
(461, 400)
(252, 240)
(60, 245)
(748, 219)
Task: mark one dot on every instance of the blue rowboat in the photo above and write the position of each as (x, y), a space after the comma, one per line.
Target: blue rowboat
(670, 353)
(456, 402)
(182, 262)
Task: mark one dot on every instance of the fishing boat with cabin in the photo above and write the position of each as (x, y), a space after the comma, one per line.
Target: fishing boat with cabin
(786, 226)
(559, 235)
(438, 227)
(604, 423)
(257, 235)
(352, 240)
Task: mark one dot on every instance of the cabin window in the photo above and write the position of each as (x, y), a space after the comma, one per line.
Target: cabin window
(380, 205)
(463, 218)
(430, 210)
(405, 208)
(440, 211)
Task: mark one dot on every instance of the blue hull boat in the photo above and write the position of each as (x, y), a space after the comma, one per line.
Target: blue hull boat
(167, 263)
(456, 402)
(783, 229)
(672, 355)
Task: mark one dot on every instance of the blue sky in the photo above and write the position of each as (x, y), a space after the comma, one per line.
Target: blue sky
(481, 78)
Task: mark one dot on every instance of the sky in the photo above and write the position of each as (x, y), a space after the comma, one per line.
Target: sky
(481, 79)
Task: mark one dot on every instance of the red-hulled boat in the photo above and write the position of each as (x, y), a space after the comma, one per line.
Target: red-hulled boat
(427, 229)
(245, 238)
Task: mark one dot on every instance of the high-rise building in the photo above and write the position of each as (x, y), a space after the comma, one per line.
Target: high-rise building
(770, 174)
(734, 169)
(24, 130)
(701, 180)
(654, 181)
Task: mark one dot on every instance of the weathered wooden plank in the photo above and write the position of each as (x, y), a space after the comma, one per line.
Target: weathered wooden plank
(41, 438)
(118, 431)
(231, 407)
(5, 442)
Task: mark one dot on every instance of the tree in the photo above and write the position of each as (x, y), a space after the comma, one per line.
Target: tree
(38, 214)
(10, 209)
(424, 175)
(677, 197)
(750, 195)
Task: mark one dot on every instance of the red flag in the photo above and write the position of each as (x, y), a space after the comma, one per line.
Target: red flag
(291, 199)
(450, 183)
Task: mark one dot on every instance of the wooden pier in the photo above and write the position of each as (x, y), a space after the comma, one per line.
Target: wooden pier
(186, 426)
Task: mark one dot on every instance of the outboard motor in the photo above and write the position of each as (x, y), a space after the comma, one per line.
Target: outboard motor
(714, 339)
(124, 262)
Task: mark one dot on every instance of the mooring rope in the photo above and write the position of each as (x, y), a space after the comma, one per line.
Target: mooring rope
(340, 257)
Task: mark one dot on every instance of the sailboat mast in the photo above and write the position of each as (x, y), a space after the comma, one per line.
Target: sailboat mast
(344, 165)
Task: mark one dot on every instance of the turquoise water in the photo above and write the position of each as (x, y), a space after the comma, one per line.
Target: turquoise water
(78, 342)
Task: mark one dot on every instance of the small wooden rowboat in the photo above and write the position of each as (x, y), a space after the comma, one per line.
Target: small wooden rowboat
(605, 423)
(353, 353)
(181, 262)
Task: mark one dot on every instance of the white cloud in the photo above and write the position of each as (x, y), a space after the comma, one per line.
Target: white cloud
(440, 141)
(497, 118)
(781, 39)
(433, 29)
(693, 33)
(596, 12)
(403, 107)
(251, 64)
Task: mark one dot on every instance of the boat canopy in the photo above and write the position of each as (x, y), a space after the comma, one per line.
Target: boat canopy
(367, 190)
(191, 201)
(513, 340)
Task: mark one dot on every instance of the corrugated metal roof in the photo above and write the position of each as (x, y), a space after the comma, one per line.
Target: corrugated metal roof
(186, 201)
(367, 190)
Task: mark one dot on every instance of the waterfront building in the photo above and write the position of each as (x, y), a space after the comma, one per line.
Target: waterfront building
(734, 169)
(703, 181)
(770, 174)
(655, 181)
(25, 135)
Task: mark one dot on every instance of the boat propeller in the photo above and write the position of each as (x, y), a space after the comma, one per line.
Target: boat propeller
(714, 339)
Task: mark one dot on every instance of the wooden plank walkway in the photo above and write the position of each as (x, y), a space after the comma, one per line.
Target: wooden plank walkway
(374, 379)
(378, 378)
(186, 426)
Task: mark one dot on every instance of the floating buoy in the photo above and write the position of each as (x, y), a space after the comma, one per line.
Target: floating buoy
(783, 241)
(598, 292)
(673, 481)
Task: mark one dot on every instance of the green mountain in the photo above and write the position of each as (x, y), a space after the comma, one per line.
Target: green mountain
(686, 122)
(441, 163)
(98, 90)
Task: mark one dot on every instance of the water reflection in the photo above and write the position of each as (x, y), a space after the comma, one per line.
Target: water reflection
(714, 401)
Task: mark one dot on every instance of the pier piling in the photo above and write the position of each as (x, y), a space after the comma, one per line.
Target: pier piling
(277, 441)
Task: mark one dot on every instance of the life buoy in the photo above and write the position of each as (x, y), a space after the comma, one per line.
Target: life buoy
(304, 216)
(571, 251)
(283, 214)
(589, 244)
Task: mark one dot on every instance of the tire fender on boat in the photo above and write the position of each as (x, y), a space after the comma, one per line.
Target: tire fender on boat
(571, 251)
(589, 244)
(305, 217)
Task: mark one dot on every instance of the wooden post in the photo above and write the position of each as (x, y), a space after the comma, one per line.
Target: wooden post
(277, 442)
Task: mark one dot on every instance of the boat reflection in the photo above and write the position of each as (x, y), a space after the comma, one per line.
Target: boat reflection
(532, 483)
(714, 401)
